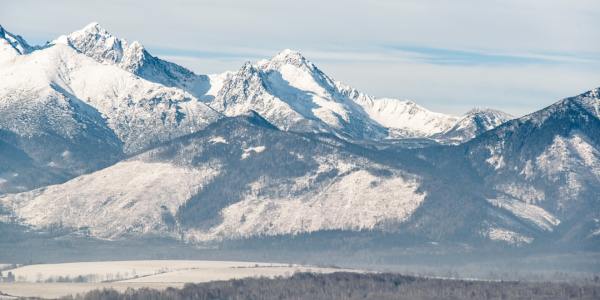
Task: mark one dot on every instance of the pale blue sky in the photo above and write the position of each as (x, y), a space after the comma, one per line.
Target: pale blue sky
(513, 55)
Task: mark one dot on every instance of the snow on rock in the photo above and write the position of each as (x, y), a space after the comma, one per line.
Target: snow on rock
(529, 212)
(249, 151)
(510, 237)
(472, 124)
(96, 42)
(218, 140)
(588, 102)
(570, 162)
(522, 191)
(355, 201)
(216, 84)
(12, 45)
(130, 197)
(566, 151)
(495, 159)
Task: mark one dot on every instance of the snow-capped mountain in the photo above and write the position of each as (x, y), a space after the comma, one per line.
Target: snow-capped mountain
(293, 94)
(99, 44)
(138, 111)
(72, 114)
(288, 90)
(472, 124)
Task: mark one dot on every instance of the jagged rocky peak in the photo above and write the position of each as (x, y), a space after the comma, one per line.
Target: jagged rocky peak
(249, 74)
(98, 43)
(294, 67)
(290, 57)
(15, 43)
(95, 41)
(248, 68)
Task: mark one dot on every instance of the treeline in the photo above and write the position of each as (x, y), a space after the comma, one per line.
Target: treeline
(356, 286)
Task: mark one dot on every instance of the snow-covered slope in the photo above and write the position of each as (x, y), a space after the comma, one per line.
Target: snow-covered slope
(404, 118)
(46, 134)
(472, 124)
(129, 198)
(99, 44)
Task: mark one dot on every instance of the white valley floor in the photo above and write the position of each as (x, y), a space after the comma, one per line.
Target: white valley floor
(40, 280)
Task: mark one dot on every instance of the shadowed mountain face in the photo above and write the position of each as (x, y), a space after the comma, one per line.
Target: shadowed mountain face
(96, 133)
(474, 123)
(550, 158)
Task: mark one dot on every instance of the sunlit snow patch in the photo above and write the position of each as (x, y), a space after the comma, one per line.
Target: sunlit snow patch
(249, 151)
(529, 212)
(218, 140)
(511, 237)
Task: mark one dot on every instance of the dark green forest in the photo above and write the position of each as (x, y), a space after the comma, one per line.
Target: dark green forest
(358, 286)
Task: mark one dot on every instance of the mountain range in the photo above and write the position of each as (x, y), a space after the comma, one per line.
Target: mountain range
(97, 134)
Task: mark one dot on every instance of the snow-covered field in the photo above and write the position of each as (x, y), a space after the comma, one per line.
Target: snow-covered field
(121, 275)
(57, 290)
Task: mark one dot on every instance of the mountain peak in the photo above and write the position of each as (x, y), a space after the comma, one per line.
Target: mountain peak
(95, 41)
(290, 57)
(15, 42)
(589, 100)
(487, 111)
(286, 54)
(93, 28)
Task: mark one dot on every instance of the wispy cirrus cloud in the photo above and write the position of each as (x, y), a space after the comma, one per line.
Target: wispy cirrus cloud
(474, 57)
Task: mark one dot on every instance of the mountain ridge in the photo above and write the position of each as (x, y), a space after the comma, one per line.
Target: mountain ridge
(124, 147)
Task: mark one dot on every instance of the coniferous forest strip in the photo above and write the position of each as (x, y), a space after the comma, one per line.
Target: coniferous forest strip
(358, 286)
